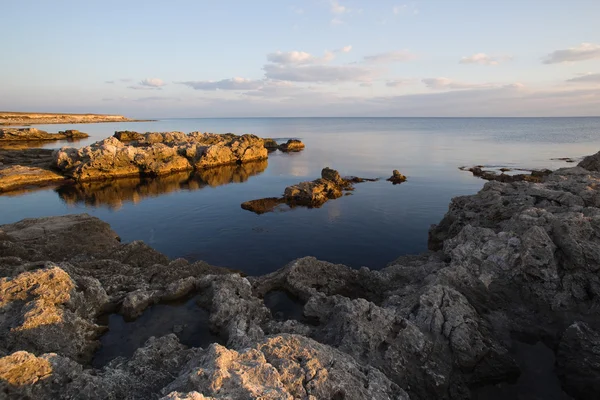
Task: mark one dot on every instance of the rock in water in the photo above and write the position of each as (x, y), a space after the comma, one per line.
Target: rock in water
(591, 163)
(331, 175)
(33, 134)
(292, 145)
(154, 154)
(270, 144)
(397, 177)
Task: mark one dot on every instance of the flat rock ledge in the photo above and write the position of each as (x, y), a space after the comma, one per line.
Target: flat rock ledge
(482, 172)
(26, 118)
(307, 194)
(518, 261)
(33, 134)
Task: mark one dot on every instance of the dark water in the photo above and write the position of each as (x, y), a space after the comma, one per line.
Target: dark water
(188, 321)
(199, 216)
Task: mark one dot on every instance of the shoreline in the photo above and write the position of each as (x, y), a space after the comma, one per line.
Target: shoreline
(8, 118)
(515, 263)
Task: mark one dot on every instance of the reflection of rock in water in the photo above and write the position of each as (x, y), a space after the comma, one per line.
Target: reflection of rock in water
(188, 321)
(116, 192)
(538, 380)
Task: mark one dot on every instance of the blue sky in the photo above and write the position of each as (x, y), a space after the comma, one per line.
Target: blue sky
(301, 58)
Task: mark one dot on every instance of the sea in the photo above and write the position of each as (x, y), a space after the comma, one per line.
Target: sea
(199, 217)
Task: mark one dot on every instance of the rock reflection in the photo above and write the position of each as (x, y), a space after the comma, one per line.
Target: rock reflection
(114, 193)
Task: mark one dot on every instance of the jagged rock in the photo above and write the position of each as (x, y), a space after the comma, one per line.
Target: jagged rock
(46, 311)
(128, 136)
(534, 176)
(154, 154)
(591, 163)
(397, 177)
(578, 361)
(292, 145)
(33, 134)
(281, 367)
(331, 175)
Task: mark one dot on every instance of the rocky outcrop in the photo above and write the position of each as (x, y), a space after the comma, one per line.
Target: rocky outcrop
(270, 144)
(292, 145)
(490, 175)
(155, 154)
(591, 163)
(517, 260)
(33, 134)
(307, 194)
(23, 118)
(26, 167)
(396, 177)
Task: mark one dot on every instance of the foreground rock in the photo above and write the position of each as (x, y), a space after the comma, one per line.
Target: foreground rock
(23, 118)
(517, 260)
(307, 194)
(154, 154)
(33, 134)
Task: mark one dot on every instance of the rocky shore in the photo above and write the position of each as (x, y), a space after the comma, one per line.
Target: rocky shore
(24, 118)
(135, 155)
(37, 135)
(515, 264)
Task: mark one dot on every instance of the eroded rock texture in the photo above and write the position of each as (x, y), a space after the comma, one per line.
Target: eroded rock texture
(516, 260)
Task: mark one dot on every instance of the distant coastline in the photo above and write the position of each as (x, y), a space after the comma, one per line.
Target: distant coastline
(31, 118)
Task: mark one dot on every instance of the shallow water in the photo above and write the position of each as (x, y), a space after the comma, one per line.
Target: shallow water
(199, 216)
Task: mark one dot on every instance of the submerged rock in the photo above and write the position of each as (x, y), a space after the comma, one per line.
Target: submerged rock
(292, 145)
(34, 134)
(396, 177)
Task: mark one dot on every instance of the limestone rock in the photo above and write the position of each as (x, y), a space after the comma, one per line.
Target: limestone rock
(292, 145)
(397, 177)
(18, 176)
(33, 134)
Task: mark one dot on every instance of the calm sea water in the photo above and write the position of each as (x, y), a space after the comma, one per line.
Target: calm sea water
(201, 218)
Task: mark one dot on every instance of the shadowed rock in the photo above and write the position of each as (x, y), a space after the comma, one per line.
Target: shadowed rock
(534, 176)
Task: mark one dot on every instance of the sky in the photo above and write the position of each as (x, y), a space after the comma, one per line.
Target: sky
(301, 58)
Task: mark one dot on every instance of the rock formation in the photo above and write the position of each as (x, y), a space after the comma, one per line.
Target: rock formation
(33, 134)
(396, 177)
(292, 145)
(517, 261)
(24, 118)
(489, 175)
(307, 194)
(154, 154)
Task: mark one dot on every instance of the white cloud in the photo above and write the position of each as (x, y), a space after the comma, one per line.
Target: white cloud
(157, 98)
(225, 84)
(336, 21)
(152, 82)
(345, 49)
(140, 87)
(291, 57)
(586, 78)
(110, 82)
(484, 59)
(337, 8)
(390, 57)
(448, 84)
(398, 9)
(317, 73)
(583, 52)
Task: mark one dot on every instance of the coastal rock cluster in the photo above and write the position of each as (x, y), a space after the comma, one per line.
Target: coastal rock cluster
(126, 154)
(307, 194)
(517, 261)
(25, 118)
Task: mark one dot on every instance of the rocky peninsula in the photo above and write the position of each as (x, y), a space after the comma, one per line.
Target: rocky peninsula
(140, 155)
(25, 118)
(37, 135)
(509, 267)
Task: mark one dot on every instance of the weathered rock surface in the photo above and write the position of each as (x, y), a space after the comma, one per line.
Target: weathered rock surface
(490, 175)
(396, 177)
(26, 167)
(518, 259)
(154, 154)
(19, 134)
(307, 194)
(292, 145)
(270, 144)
